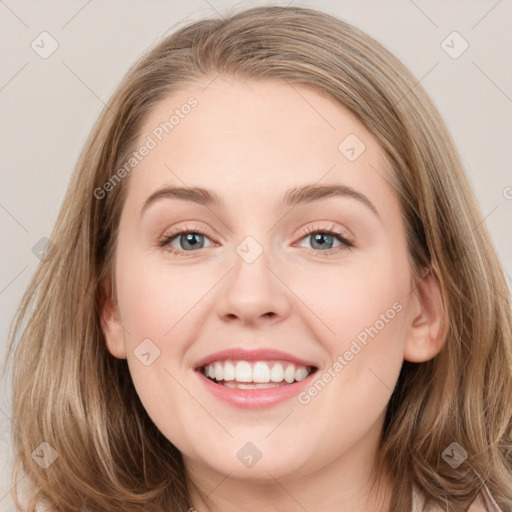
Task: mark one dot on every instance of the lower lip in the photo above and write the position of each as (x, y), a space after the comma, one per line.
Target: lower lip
(255, 398)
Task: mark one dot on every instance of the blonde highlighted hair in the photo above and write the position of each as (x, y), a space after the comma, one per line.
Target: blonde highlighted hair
(69, 392)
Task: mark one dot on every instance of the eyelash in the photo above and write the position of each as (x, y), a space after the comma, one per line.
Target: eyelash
(167, 238)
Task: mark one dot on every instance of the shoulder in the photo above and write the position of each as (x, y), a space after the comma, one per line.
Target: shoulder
(488, 502)
(484, 503)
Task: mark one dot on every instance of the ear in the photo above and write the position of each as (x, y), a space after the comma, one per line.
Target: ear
(429, 323)
(111, 322)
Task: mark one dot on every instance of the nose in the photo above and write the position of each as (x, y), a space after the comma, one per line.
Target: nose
(253, 293)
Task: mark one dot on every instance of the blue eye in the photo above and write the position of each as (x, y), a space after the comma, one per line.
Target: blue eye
(186, 241)
(322, 240)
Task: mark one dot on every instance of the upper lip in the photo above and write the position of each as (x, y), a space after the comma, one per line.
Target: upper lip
(261, 354)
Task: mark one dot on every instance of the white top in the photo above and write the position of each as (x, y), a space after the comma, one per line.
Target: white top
(484, 503)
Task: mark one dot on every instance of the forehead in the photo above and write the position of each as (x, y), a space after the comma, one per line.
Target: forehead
(258, 137)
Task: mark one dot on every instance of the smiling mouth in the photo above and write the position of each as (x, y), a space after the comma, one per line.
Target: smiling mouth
(255, 374)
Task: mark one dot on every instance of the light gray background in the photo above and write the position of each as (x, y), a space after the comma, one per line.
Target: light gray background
(48, 106)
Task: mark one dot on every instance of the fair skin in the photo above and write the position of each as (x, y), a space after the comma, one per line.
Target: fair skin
(250, 142)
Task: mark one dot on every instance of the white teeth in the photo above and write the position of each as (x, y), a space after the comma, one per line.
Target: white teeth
(301, 373)
(258, 372)
(243, 372)
(218, 371)
(238, 385)
(261, 372)
(229, 371)
(289, 373)
(277, 373)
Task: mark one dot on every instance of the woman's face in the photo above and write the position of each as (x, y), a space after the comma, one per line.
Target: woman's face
(258, 271)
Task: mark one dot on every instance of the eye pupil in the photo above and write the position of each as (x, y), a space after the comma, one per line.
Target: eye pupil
(189, 239)
(322, 239)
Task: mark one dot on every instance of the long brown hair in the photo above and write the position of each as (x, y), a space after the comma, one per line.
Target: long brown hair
(70, 393)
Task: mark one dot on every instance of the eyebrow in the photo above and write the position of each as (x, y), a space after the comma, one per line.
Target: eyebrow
(293, 197)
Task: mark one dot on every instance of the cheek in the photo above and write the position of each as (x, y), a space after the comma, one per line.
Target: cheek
(363, 311)
(157, 304)
(154, 299)
(349, 299)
